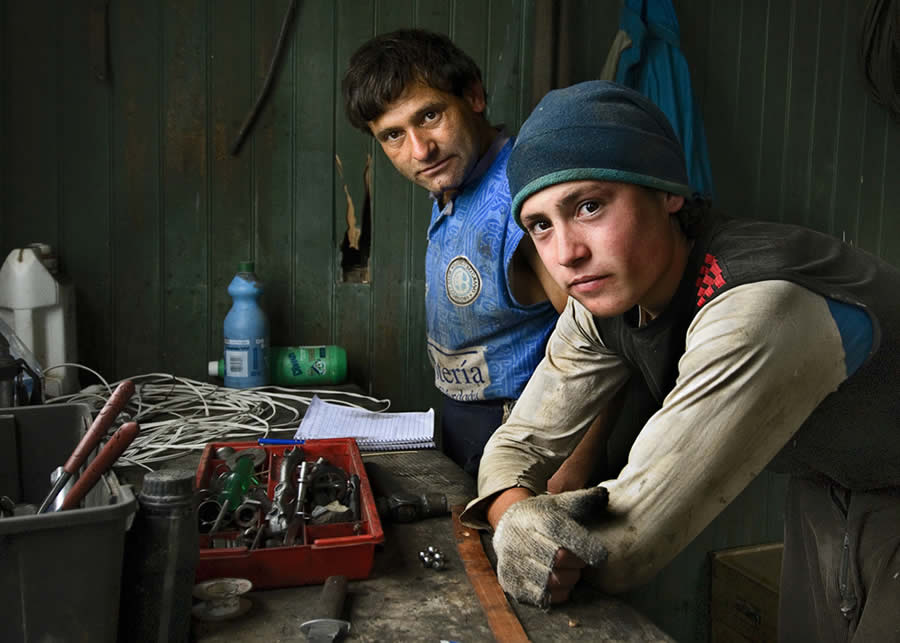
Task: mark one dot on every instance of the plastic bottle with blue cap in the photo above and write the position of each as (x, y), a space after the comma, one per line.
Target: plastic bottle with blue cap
(246, 332)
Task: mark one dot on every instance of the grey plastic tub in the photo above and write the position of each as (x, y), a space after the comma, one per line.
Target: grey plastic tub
(60, 573)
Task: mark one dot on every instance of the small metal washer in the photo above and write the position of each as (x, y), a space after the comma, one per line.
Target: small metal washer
(221, 588)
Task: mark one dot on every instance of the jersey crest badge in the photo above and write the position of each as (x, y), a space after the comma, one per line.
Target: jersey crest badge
(462, 280)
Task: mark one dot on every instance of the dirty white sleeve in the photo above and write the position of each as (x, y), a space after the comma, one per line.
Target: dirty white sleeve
(576, 379)
(758, 361)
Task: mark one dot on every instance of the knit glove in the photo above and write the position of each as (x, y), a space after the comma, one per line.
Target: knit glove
(530, 533)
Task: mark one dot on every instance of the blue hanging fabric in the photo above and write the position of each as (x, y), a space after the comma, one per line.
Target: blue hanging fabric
(655, 66)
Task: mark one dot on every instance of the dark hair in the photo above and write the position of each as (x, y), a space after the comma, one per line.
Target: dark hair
(692, 214)
(384, 66)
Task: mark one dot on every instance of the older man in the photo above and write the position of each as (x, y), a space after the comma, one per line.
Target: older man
(488, 298)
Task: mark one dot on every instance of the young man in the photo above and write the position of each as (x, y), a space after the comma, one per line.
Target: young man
(487, 308)
(760, 344)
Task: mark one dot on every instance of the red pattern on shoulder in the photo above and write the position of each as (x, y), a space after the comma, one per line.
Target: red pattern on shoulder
(709, 280)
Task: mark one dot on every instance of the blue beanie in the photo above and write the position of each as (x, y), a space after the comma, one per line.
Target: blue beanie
(595, 130)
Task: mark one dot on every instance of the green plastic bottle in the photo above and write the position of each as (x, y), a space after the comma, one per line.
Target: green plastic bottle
(300, 365)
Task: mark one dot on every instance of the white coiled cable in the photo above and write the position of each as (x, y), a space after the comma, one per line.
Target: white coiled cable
(178, 414)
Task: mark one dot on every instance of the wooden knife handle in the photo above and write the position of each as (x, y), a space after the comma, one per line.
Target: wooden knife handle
(100, 426)
(104, 460)
(331, 603)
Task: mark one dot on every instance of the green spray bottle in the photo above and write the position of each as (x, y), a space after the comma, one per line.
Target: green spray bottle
(300, 366)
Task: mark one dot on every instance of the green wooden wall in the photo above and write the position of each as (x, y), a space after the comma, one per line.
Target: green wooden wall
(133, 182)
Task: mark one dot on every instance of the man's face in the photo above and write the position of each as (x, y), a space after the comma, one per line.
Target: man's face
(433, 138)
(611, 245)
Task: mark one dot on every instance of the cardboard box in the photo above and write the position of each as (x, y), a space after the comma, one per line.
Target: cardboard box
(745, 582)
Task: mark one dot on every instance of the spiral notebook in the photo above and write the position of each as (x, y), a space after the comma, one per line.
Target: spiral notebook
(372, 431)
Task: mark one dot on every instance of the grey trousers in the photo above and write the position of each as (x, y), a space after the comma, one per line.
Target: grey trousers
(840, 577)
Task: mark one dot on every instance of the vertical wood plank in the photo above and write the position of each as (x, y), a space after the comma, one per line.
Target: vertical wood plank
(544, 51)
(230, 99)
(314, 210)
(693, 20)
(433, 15)
(84, 209)
(4, 74)
(504, 71)
(184, 190)
(272, 151)
(135, 55)
(721, 105)
(469, 29)
(877, 207)
(744, 165)
(826, 121)
(31, 80)
(590, 21)
(352, 301)
(802, 109)
(776, 495)
(890, 203)
(850, 150)
(353, 323)
(526, 59)
(771, 144)
(871, 178)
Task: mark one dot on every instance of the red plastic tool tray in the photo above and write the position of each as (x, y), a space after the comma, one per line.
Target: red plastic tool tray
(346, 548)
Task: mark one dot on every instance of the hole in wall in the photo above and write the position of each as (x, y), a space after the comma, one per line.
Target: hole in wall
(357, 242)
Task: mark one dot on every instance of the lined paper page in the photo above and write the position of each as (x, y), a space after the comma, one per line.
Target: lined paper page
(372, 431)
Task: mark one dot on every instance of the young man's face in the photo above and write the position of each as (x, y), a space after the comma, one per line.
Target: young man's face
(433, 138)
(611, 245)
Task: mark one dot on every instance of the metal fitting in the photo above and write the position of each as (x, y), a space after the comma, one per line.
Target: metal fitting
(247, 512)
(285, 494)
(222, 453)
(207, 512)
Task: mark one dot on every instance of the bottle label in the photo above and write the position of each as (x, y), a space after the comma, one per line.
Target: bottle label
(310, 358)
(243, 359)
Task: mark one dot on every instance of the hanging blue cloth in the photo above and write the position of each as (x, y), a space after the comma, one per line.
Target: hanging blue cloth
(655, 66)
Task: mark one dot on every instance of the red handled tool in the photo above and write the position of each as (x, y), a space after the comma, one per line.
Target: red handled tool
(91, 439)
(110, 452)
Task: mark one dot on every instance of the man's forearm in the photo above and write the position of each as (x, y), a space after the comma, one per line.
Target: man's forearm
(503, 501)
(577, 469)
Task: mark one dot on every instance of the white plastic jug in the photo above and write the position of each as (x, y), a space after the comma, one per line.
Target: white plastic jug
(40, 308)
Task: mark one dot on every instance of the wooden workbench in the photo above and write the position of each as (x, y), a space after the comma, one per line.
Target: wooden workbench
(402, 601)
